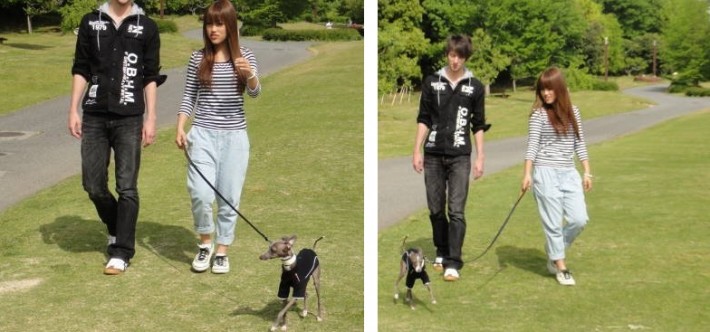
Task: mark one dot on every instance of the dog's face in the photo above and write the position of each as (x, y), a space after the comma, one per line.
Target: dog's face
(279, 248)
(416, 259)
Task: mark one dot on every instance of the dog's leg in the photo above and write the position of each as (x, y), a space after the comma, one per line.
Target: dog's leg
(304, 313)
(431, 293)
(316, 283)
(402, 273)
(410, 298)
(281, 318)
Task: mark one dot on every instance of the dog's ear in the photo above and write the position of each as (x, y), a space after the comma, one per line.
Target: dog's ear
(291, 240)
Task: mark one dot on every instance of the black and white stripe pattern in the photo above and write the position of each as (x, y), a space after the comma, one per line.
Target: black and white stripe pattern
(221, 106)
(546, 148)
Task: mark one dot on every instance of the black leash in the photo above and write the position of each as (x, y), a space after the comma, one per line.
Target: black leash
(221, 196)
(500, 230)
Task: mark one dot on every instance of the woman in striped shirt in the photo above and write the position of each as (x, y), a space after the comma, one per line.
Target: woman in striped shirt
(217, 77)
(555, 135)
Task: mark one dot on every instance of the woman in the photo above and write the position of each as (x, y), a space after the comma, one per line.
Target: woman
(555, 135)
(217, 77)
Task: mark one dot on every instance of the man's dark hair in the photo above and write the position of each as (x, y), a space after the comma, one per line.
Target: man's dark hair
(459, 44)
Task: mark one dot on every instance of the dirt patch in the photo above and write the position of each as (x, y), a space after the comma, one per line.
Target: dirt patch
(18, 285)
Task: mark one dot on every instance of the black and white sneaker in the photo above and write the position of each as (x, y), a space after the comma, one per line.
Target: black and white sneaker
(220, 264)
(202, 260)
(564, 277)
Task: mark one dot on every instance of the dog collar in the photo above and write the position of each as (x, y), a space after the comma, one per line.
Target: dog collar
(288, 262)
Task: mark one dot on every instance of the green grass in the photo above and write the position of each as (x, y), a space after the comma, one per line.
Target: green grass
(305, 178)
(397, 123)
(37, 67)
(641, 263)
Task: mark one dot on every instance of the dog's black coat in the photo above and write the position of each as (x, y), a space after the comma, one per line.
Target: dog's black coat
(306, 262)
(413, 275)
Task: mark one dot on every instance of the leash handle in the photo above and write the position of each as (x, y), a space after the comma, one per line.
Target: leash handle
(187, 155)
(500, 230)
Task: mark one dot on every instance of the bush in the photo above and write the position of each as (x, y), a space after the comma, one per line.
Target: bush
(697, 92)
(253, 30)
(314, 35)
(599, 85)
(72, 13)
(166, 26)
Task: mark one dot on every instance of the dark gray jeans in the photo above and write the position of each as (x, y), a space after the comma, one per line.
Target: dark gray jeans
(446, 179)
(100, 135)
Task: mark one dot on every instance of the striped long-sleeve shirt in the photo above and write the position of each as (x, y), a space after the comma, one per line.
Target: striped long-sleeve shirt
(546, 148)
(221, 106)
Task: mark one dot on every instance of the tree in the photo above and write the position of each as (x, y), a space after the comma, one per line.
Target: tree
(36, 7)
(74, 11)
(487, 60)
(636, 17)
(400, 43)
(685, 47)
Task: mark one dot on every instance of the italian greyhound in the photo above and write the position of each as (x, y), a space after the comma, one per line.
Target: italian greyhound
(412, 265)
(296, 271)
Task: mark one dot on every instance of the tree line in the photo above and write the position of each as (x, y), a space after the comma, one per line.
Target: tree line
(254, 13)
(518, 39)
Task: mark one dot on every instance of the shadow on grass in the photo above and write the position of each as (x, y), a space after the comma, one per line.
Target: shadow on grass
(27, 46)
(529, 259)
(268, 312)
(75, 234)
(166, 241)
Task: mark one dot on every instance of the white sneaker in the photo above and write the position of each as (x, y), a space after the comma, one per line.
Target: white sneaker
(220, 264)
(551, 267)
(451, 274)
(110, 239)
(115, 266)
(438, 264)
(202, 260)
(564, 277)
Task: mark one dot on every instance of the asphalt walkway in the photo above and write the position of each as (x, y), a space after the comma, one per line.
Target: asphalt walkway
(36, 150)
(401, 191)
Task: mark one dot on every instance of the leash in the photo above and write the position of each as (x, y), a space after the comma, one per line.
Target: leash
(187, 155)
(500, 230)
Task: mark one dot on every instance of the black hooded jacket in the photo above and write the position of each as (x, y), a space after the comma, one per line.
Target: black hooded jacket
(451, 112)
(117, 63)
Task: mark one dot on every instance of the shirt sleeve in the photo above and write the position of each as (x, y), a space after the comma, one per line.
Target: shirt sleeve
(534, 134)
(249, 55)
(580, 146)
(151, 59)
(424, 115)
(192, 85)
(478, 116)
(82, 51)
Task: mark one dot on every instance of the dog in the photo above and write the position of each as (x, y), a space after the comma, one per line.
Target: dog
(413, 266)
(297, 270)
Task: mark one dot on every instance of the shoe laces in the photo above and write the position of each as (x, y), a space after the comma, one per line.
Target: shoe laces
(219, 260)
(202, 255)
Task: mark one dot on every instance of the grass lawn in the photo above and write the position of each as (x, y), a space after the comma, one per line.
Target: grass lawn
(642, 262)
(37, 67)
(397, 123)
(305, 177)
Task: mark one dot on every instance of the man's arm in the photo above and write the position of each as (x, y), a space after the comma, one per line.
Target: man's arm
(78, 85)
(150, 116)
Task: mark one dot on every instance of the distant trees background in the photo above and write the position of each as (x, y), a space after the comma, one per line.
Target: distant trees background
(516, 39)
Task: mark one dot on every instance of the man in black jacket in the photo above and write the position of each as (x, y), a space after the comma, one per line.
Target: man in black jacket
(451, 105)
(118, 56)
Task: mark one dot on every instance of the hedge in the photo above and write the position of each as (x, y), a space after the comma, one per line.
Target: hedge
(313, 35)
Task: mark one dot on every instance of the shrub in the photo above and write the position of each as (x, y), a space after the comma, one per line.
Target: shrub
(314, 35)
(599, 85)
(697, 92)
(166, 26)
(253, 30)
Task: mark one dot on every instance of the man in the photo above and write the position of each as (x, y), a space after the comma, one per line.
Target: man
(118, 55)
(451, 105)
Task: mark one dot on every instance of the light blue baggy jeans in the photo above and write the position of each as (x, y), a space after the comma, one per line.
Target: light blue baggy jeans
(222, 156)
(560, 197)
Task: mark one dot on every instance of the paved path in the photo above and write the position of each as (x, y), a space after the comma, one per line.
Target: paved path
(36, 150)
(401, 190)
